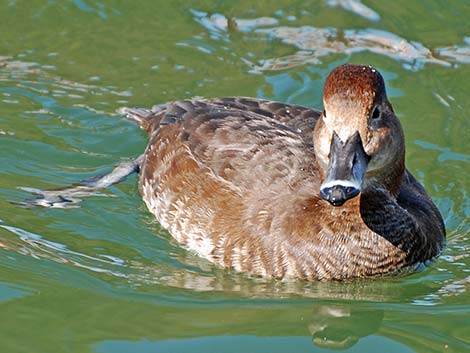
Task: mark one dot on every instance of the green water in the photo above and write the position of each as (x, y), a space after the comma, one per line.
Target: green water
(105, 278)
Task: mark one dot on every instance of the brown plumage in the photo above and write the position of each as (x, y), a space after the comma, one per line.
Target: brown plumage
(279, 190)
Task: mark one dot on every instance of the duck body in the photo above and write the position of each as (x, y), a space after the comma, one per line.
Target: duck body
(245, 183)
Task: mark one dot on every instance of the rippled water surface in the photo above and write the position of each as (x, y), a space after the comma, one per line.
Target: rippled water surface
(104, 277)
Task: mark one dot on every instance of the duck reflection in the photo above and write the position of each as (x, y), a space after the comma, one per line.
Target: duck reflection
(341, 326)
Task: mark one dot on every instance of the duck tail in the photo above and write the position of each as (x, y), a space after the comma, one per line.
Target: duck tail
(145, 118)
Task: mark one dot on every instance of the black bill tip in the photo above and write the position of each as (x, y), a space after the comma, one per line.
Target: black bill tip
(338, 194)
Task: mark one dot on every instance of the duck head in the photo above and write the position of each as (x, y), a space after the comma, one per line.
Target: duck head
(358, 139)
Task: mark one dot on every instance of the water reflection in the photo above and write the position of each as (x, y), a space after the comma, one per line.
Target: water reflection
(356, 7)
(315, 43)
(8, 292)
(30, 79)
(35, 246)
(457, 53)
(342, 326)
(194, 276)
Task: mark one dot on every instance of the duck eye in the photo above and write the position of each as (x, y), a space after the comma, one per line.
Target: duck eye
(376, 113)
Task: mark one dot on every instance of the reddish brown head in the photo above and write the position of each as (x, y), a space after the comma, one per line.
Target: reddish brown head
(358, 138)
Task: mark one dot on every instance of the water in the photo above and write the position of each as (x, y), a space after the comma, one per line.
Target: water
(105, 277)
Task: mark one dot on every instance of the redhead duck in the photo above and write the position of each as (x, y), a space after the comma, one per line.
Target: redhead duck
(280, 190)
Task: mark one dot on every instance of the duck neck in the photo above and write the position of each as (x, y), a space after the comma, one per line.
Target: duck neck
(390, 179)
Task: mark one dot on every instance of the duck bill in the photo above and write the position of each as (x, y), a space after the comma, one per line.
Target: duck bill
(346, 170)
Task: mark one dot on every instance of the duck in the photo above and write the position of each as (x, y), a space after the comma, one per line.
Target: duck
(284, 191)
